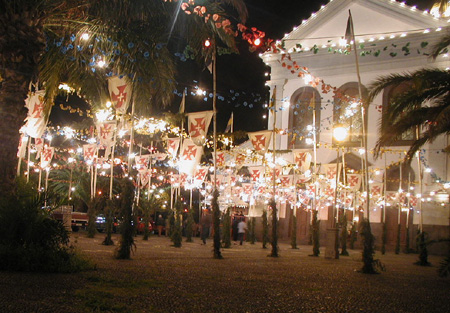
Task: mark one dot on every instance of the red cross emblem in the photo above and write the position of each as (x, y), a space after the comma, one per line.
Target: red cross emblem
(285, 181)
(220, 159)
(120, 97)
(353, 180)
(248, 189)
(47, 154)
(189, 153)
(105, 129)
(256, 174)
(172, 146)
(331, 173)
(38, 109)
(376, 190)
(259, 142)
(198, 129)
(300, 158)
(89, 152)
(200, 175)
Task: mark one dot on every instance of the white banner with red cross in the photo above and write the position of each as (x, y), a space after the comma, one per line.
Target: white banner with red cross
(391, 197)
(158, 157)
(105, 133)
(200, 174)
(198, 124)
(354, 181)
(304, 197)
(172, 146)
(312, 189)
(261, 190)
(413, 200)
(232, 180)
(330, 171)
(142, 162)
(236, 191)
(190, 157)
(260, 140)
(89, 152)
(38, 146)
(286, 181)
(47, 156)
(256, 173)
(35, 121)
(302, 158)
(144, 176)
(376, 190)
(239, 159)
(270, 171)
(119, 93)
(347, 198)
(247, 188)
(220, 162)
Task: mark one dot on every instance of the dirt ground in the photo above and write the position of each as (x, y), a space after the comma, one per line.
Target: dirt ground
(162, 278)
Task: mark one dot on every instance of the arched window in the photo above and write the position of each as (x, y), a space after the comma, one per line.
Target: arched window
(304, 103)
(389, 95)
(348, 112)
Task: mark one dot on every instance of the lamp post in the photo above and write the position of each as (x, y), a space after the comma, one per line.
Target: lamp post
(340, 134)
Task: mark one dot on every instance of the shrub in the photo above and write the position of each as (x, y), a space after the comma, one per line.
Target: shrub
(30, 240)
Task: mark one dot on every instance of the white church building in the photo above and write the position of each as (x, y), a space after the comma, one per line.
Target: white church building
(316, 71)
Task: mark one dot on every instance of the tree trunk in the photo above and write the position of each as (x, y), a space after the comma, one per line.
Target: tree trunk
(22, 42)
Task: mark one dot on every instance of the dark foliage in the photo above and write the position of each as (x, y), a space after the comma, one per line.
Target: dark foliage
(189, 225)
(30, 240)
(315, 233)
(265, 230)
(353, 236)
(444, 267)
(226, 232)
(370, 265)
(397, 244)
(273, 206)
(176, 235)
(344, 235)
(294, 232)
(127, 229)
(216, 221)
(383, 238)
(422, 246)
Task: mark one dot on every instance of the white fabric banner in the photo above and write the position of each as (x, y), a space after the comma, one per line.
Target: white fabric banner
(35, 121)
(47, 156)
(89, 152)
(105, 133)
(172, 146)
(120, 93)
(190, 157)
(303, 159)
(198, 124)
(260, 140)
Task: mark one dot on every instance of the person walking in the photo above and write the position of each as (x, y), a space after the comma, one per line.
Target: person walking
(160, 224)
(242, 226)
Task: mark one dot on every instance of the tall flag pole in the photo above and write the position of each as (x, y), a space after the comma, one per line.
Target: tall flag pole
(350, 34)
(273, 106)
(230, 123)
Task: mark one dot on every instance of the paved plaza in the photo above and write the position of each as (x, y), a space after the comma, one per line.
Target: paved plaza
(161, 278)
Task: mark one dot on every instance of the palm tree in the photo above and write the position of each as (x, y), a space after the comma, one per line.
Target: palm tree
(40, 41)
(425, 105)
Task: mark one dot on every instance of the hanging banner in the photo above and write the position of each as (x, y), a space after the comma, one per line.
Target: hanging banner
(376, 190)
(47, 156)
(119, 93)
(142, 162)
(286, 181)
(247, 188)
(190, 157)
(269, 173)
(301, 179)
(413, 200)
(200, 174)
(105, 133)
(220, 162)
(35, 121)
(198, 124)
(330, 170)
(22, 149)
(89, 152)
(256, 173)
(303, 159)
(391, 197)
(260, 140)
(172, 146)
(347, 198)
(239, 160)
(219, 179)
(175, 180)
(38, 146)
(144, 176)
(354, 181)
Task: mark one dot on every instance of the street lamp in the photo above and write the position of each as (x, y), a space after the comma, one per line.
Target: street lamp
(340, 134)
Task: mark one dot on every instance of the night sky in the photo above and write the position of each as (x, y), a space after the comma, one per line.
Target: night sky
(244, 73)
